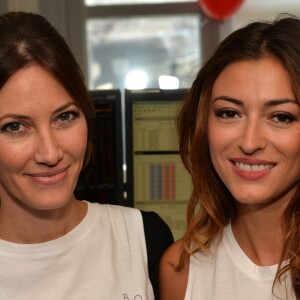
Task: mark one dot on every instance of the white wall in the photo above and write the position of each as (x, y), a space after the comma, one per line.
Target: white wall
(252, 10)
(25, 5)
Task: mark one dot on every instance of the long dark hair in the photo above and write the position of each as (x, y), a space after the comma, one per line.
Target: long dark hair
(28, 39)
(211, 205)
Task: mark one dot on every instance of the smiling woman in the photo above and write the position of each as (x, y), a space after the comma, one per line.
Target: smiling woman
(240, 140)
(253, 132)
(63, 248)
(39, 163)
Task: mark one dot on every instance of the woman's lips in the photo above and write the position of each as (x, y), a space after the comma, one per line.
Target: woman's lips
(252, 169)
(49, 177)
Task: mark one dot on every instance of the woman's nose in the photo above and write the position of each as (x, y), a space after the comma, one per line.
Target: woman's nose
(252, 137)
(48, 149)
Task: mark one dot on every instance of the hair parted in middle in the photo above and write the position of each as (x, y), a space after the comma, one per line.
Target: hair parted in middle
(27, 39)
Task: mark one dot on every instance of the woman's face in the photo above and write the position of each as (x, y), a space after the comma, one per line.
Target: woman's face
(254, 131)
(43, 137)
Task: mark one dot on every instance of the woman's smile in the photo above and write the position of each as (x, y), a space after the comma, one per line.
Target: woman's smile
(249, 171)
(43, 138)
(56, 176)
(254, 131)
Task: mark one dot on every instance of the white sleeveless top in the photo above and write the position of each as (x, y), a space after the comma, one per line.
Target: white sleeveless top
(230, 275)
(104, 257)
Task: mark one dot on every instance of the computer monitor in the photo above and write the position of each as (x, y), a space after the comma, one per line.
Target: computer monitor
(156, 178)
(102, 180)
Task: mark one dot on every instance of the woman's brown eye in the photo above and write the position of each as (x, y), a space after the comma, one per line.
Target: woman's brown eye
(11, 127)
(284, 118)
(226, 114)
(68, 116)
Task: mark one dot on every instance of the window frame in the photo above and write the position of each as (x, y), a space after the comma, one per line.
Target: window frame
(69, 17)
(143, 9)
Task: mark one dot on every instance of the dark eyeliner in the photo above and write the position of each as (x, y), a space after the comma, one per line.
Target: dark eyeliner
(74, 113)
(289, 118)
(8, 125)
(226, 113)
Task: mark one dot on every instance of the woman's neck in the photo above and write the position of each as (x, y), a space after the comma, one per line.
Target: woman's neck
(258, 231)
(29, 228)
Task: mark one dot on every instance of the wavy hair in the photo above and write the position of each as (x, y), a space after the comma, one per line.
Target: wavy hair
(27, 39)
(211, 205)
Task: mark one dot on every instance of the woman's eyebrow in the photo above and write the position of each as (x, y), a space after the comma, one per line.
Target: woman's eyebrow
(268, 103)
(24, 117)
(15, 116)
(229, 99)
(65, 106)
(275, 102)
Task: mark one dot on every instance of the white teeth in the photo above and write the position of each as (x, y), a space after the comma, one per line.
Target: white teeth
(253, 168)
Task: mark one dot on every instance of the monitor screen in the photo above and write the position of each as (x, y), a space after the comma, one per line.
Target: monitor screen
(102, 180)
(156, 178)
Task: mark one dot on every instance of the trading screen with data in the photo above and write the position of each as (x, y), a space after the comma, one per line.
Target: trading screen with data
(157, 180)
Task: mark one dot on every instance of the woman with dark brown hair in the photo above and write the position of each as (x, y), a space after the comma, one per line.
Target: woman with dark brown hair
(239, 134)
(52, 245)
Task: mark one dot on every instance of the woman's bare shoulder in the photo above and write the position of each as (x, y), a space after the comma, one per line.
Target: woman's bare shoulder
(172, 282)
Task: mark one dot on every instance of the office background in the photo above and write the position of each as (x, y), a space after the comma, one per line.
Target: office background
(145, 44)
(79, 21)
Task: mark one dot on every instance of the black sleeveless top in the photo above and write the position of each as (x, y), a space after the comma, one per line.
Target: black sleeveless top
(158, 238)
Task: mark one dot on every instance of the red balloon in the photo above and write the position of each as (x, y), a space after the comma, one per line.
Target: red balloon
(219, 9)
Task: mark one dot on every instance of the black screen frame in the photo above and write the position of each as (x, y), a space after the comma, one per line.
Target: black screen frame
(111, 97)
(145, 95)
